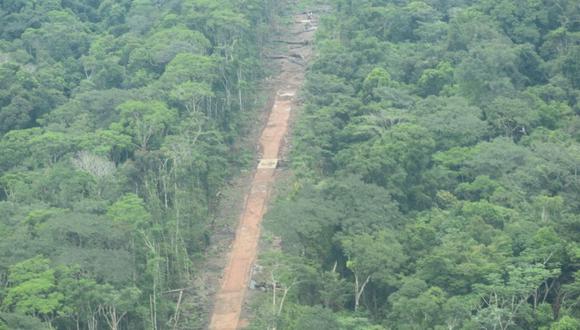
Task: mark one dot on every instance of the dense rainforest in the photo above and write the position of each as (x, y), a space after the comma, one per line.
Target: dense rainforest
(435, 171)
(118, 123)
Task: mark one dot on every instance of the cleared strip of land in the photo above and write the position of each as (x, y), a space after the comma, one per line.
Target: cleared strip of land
(229, 300)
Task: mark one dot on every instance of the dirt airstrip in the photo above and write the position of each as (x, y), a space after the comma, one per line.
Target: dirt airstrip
(228, 301)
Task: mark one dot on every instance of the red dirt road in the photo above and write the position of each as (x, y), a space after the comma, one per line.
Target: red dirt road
(229, 300)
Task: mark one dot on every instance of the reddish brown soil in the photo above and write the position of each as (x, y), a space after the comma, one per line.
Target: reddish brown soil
(229, 300)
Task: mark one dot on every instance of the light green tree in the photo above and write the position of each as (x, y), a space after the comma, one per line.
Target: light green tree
(33, 289)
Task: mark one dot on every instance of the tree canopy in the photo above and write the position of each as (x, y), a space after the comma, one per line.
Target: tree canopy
(117, 131)
(435, 167)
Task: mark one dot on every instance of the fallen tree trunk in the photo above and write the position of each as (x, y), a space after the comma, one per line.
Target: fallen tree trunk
(277, 57)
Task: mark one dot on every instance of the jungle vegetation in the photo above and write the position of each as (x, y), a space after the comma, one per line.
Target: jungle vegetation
(117, 128)
(435, 168)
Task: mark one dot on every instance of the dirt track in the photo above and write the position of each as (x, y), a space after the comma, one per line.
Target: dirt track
(229, 300)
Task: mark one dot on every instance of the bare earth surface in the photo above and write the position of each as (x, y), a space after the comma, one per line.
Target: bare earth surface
(228, 302)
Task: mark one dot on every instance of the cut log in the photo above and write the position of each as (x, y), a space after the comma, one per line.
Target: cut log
(296, 55)
(291, 60)
(304, 43)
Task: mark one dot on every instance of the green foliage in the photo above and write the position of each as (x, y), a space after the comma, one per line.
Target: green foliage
(433, 81)
(373, 256)
(13, 321)
(32, 289)
(571, 66)
(462, 113)
(565, 323)
(129, 212)
(310, 318)
(117, 126)
(417, 306)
